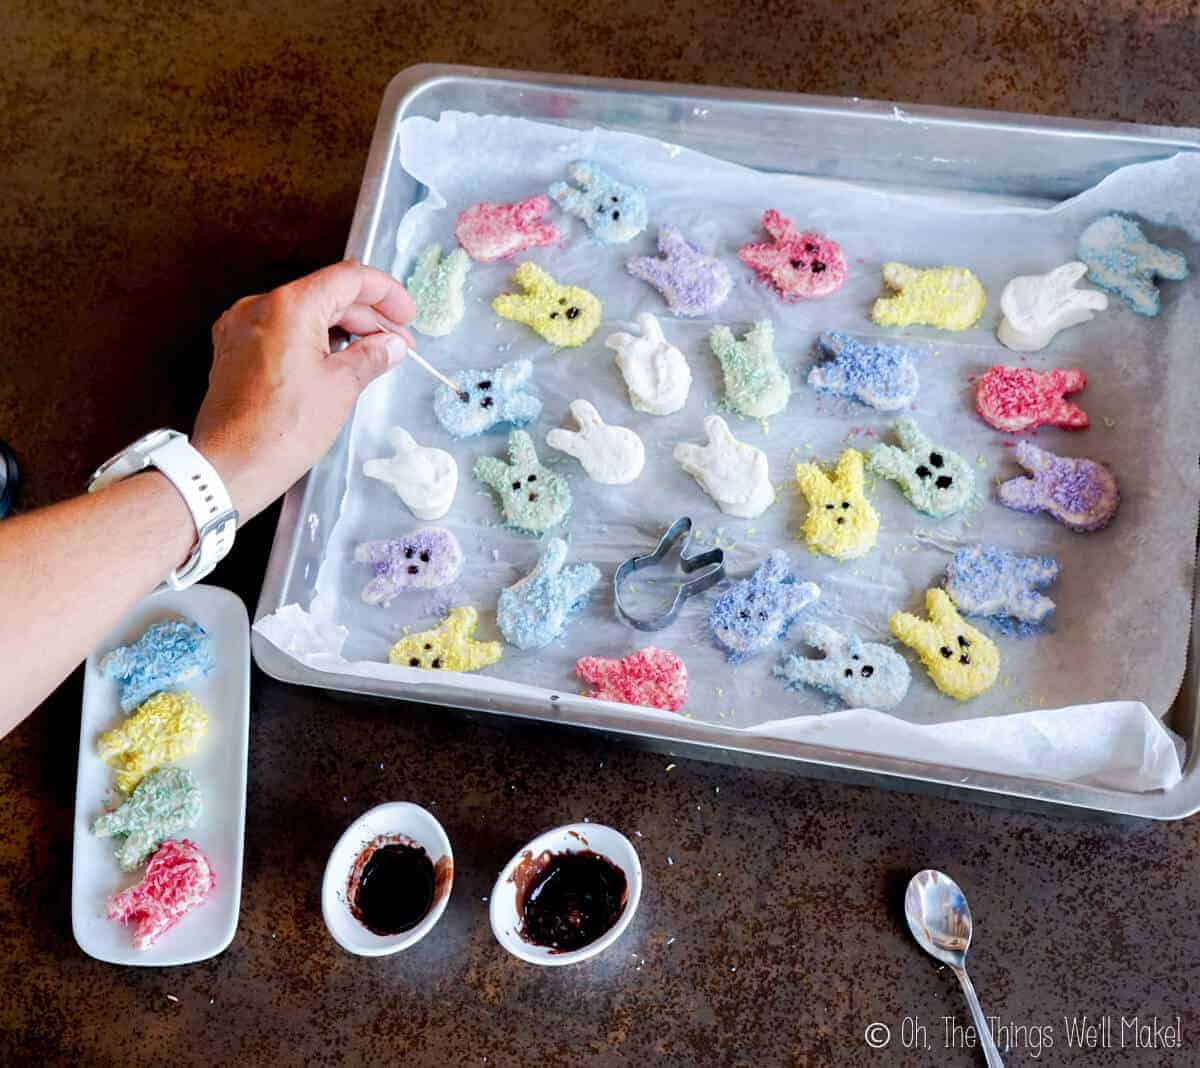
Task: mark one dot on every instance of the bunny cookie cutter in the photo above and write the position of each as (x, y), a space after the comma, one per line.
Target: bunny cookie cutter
(714, 559)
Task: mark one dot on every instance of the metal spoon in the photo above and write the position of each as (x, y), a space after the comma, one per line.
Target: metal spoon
(940, 920)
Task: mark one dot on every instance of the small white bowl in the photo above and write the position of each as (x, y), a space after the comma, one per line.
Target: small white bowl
(400, 821)
(570, 838)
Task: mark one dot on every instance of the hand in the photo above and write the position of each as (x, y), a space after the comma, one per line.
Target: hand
(277, 394)
(613, 455)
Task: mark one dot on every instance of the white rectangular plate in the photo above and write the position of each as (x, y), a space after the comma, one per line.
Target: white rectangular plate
(219, 765)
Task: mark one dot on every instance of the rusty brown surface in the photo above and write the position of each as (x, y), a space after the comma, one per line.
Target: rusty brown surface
(160, 160)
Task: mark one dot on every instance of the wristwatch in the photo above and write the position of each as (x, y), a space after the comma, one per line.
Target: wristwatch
(197, 482)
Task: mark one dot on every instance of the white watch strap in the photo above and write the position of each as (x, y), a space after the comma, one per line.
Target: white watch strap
(197, 482)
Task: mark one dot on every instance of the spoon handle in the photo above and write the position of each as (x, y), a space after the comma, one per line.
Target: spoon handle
(990, 1053)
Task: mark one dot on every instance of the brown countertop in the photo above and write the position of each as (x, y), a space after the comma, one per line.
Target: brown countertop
(160, 161)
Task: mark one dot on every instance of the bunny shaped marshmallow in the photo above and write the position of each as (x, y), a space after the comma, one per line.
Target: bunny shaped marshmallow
(733, 473)
(795, 264)
(1120, 259)
(652, 678)
(961, 661)
(691, 282)
(1019, 398)
(178, 878)
(758, 610)
(986, 580)
(841, 522)
(935, 479)
(1080, 494)
(532, 497)
(436, 287)
(655, 372)
(755, 384)
(948, 297)
(424, 478)
(168, 655)
(565, 316)
(448, 646)
(534, 610)
(499, 397)
(426, 559)
(495, 231)
(1035, 307)
(165, 728)
(614, 211)
(612, 455)
(861, 674)
(881, 375)
(165, 803)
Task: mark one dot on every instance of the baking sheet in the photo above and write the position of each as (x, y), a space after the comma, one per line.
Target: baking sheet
(1122, 621)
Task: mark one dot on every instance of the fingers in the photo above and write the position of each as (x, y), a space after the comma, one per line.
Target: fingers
(334, 290)
(363, 319)
(369, 357)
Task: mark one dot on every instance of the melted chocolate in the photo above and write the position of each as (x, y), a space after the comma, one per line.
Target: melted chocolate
(568, 900)
(392, 887)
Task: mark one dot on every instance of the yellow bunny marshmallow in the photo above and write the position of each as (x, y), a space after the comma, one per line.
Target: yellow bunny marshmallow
(564, 315)
(841, 521)
(448, 646)
(961, 661)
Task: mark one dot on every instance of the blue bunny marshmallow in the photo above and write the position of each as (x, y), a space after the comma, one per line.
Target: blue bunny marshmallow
(758, 610)
(862, 674)
(614, 211)
(499, 397)
(534, 610)
(986, 580)
(877, 373)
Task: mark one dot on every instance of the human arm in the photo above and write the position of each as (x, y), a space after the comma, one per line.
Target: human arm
(276, 399)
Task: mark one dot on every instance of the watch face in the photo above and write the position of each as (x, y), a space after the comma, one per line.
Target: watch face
(136, 452)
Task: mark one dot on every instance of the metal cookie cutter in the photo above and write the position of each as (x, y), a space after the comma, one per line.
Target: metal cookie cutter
(713, 559)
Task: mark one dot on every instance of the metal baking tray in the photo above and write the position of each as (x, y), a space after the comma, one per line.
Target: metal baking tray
(1015, 156)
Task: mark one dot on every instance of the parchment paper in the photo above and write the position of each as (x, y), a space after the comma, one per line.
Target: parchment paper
(1123, 599)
